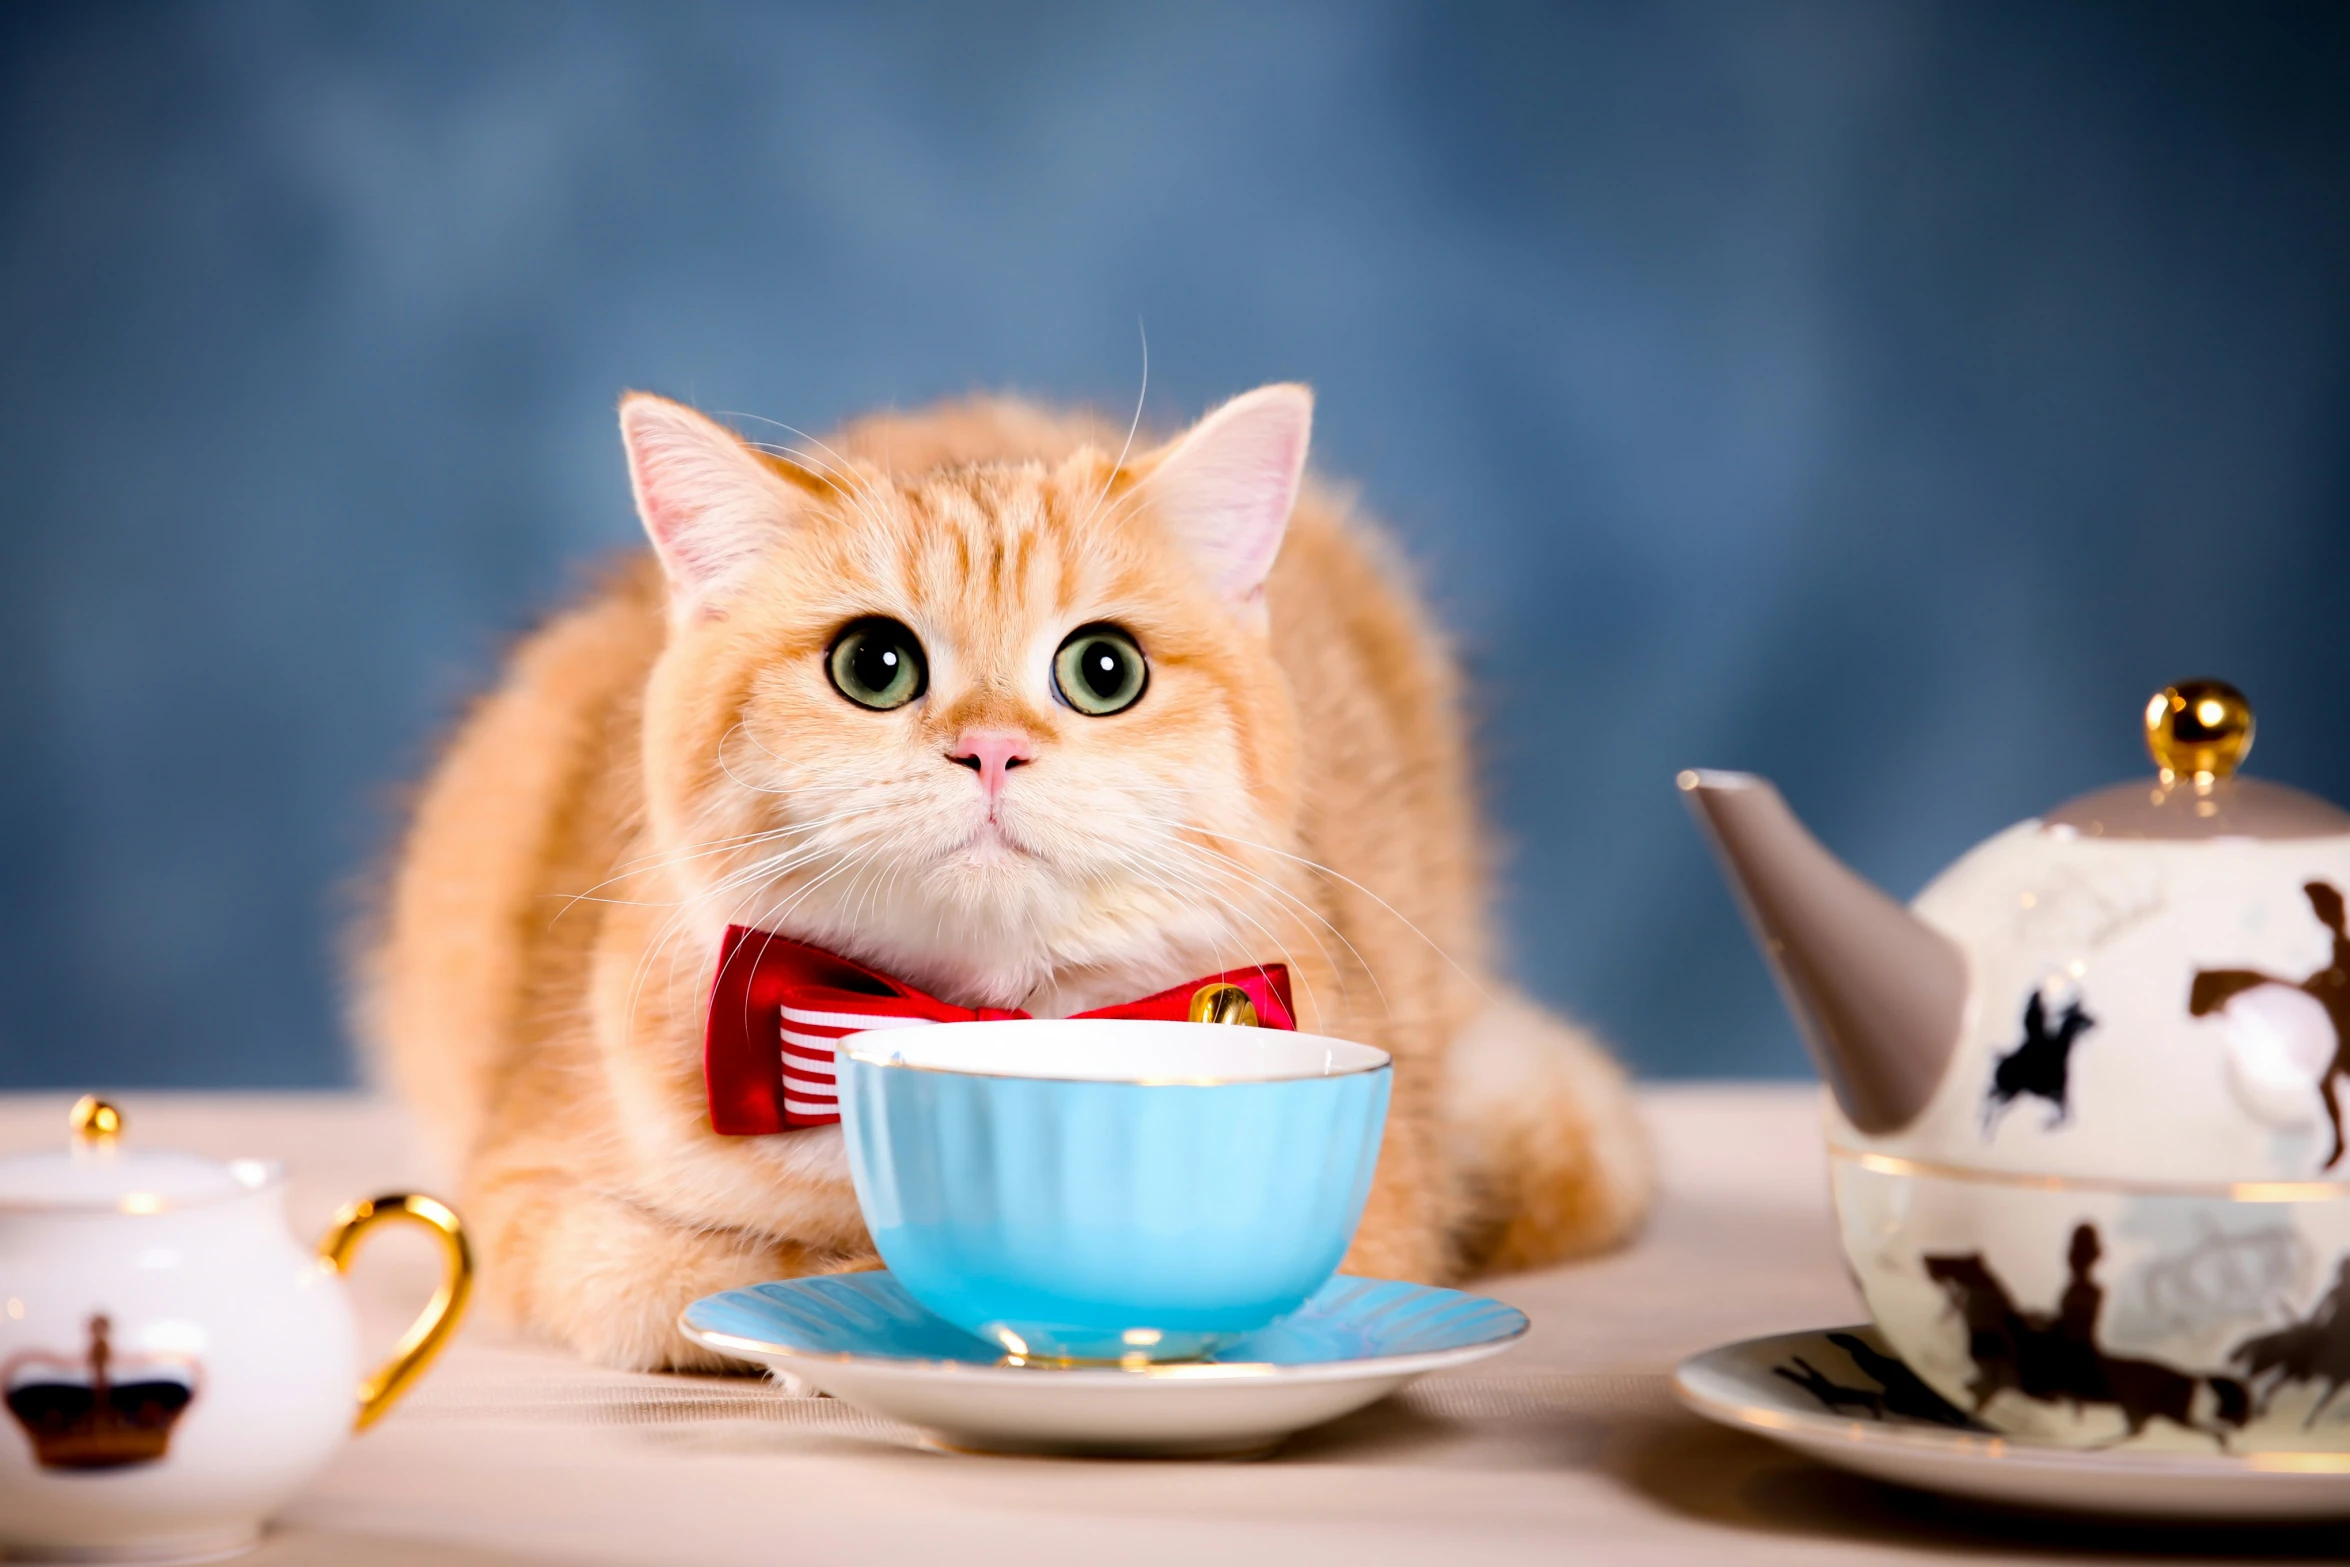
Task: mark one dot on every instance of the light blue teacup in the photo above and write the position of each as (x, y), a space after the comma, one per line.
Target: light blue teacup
(1110, 1189)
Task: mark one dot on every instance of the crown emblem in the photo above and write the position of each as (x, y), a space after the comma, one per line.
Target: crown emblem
(94, 1414)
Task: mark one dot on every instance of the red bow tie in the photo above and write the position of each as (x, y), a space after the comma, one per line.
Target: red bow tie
(777, 1007)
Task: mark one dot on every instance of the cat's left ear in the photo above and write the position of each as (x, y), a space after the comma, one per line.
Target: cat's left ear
(1226, 488)
(710, 504)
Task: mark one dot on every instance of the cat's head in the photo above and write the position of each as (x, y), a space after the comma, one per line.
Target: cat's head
(1009, 729)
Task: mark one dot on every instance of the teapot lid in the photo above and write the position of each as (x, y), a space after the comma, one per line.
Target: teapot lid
(96, 1173)
(2199, 732)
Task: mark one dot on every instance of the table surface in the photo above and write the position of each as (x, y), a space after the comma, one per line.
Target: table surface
(1570, 1446)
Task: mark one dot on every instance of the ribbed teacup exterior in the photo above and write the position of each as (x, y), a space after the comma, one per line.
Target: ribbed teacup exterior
(1085, 1220)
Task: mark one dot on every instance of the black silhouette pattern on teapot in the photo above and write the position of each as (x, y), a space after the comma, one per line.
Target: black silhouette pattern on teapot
(2054, 1357)
(1900, 1392)
(2042, 1065)
(2329, 987)
(2315, 1349)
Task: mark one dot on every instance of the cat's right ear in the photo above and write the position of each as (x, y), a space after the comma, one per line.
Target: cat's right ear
(1227, 486)
(710, 505)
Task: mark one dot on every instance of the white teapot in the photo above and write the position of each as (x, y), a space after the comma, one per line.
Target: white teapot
(2086, 1127)
(175, 1365)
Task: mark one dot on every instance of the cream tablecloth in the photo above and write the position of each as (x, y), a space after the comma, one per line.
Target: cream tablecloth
(1568, 1448)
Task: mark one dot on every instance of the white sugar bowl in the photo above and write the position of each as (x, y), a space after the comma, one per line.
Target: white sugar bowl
(175, 1364)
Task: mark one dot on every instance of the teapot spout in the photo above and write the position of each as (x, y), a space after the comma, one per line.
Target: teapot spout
(1879, 995)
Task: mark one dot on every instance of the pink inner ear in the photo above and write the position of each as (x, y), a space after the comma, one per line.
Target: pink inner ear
(1228, 487)
(706, 503)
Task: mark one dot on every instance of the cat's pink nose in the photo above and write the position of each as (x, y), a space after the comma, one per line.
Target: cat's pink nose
(992, 753)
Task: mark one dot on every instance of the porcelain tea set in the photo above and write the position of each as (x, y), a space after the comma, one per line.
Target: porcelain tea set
(1102, 1235)
(2084, 1120)
(175, 1364)
(2086, 1138)
(1113, 1236)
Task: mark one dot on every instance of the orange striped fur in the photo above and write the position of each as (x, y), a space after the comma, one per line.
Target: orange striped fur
(669, 756)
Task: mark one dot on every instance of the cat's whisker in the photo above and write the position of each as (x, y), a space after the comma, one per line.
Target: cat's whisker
(1214, 882)
(688, 853)
(774, 867)
(1132, 426)
(866, 897)
(1303, 976)
(846, 467)
(1175, 875)
(1233, 866)
(846, 785)
(672, 931)
(1187, 893)
(820, 786)
(570, 898)
(1225, 865)
(646, 865)
(1124, 505)
(1228, 865)
(669, 931)
(783, 450)
(773, 915)
(1180, 897)
(845, 476)
(753, 878)
(1339, 876)
(889, 888)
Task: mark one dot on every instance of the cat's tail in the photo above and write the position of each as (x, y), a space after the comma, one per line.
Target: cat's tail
(1553, 1159)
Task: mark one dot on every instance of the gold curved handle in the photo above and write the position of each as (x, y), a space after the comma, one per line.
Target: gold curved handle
(429, 1333)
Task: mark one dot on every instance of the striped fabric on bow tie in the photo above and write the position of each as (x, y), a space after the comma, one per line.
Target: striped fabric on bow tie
(778, 1008)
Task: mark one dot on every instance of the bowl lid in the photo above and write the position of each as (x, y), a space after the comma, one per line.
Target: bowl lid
(96, 1172)
(2198, 732)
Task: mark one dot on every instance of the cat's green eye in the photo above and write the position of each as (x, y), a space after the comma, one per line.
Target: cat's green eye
(877, 663)
(1100, 671)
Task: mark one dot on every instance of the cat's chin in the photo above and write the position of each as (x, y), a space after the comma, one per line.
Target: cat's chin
(989, 878)
(991, 847)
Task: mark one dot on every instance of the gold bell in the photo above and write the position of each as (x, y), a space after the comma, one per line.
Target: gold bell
(1222, 1003)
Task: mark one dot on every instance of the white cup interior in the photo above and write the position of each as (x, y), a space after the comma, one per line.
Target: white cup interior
(1112, 1050)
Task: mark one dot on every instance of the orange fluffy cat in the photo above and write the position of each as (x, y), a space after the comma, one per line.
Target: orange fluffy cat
(975, 699)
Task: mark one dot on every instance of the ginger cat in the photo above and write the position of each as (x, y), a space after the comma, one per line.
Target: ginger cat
(972, 698)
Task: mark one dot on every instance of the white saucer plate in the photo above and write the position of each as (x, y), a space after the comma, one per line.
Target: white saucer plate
(863, 1339)
(1840, 1396)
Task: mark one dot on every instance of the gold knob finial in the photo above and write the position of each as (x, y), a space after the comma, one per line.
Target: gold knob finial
(2199, 730)
(1223, 1004)
(95, 1121)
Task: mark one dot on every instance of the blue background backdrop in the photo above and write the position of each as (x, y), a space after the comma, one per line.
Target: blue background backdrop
(1884, 396)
